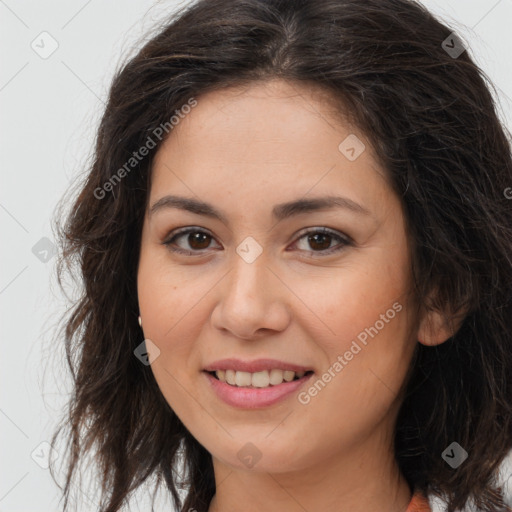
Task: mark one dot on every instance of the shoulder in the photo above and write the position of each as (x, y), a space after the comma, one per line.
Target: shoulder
(419, 503)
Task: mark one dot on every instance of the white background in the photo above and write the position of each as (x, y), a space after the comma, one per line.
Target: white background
(49, 112)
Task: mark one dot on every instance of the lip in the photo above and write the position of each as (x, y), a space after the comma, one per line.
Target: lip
(257, 365)
(254, 398)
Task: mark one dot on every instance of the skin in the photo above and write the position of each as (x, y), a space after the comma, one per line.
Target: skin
(244, 150)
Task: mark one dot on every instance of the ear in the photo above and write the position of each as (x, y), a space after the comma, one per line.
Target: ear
(436, 326)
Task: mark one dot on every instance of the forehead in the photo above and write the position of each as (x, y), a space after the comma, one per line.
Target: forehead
(271, 141)
(274, 110)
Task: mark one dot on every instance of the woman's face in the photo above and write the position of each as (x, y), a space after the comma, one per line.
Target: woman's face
(263, 282)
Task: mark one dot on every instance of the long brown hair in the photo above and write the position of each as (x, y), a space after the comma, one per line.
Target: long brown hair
(435, 127)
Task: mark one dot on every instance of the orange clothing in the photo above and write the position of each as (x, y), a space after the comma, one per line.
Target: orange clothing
(418, 503)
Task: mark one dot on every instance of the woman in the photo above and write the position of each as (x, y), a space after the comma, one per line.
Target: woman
(295, 243)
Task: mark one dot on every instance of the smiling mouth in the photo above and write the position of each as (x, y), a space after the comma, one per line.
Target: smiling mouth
(262, 379)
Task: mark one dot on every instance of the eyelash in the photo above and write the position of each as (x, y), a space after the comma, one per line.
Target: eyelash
(344, 240)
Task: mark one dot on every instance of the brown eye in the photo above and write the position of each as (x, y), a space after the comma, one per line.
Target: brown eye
(320, 240)
(195, 241)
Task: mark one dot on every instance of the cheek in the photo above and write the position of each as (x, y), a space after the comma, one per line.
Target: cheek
(169, 309)
(166, 295)
(358, 388)
(367, 347)
(173, 309)
(352, 298)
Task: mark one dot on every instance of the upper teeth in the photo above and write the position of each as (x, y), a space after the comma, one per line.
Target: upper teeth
(258, 379)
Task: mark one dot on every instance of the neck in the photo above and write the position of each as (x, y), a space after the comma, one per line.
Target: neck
(357, 481)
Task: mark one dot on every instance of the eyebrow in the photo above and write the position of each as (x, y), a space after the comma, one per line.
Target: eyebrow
(279, 212)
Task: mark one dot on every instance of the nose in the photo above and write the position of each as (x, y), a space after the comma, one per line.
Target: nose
(252, 301)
